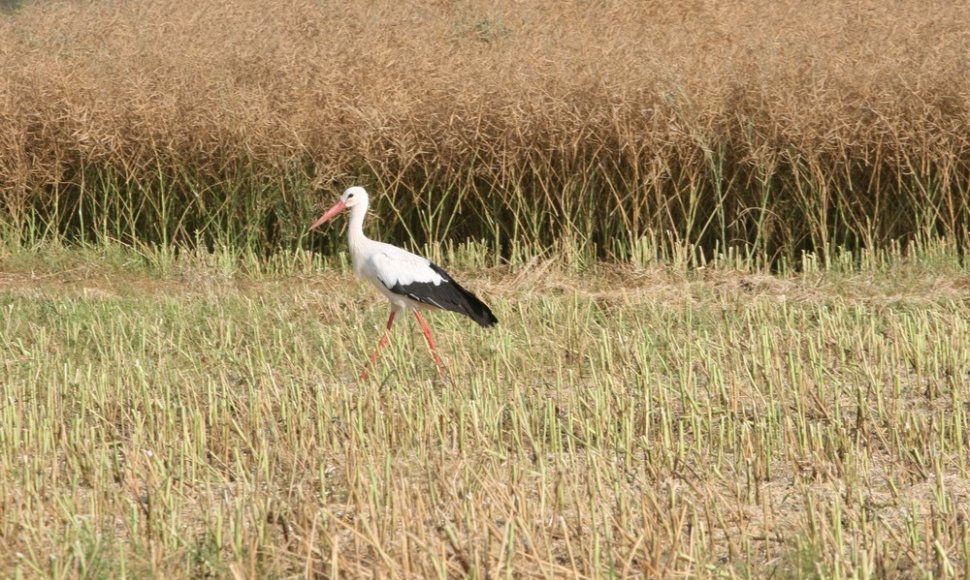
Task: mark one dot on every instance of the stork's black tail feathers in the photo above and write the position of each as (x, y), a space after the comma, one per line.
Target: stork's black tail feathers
(448, 295)
(475, 308)
(457, 299)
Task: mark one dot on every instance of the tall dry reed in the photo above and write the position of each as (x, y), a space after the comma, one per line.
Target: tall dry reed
(770, 126)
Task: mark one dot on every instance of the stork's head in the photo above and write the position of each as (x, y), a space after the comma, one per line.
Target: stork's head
(352, 196)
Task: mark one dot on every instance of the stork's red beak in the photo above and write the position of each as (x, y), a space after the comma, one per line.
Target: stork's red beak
(337, 208)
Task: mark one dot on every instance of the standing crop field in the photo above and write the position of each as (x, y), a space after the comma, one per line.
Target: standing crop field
(725, 241)
(769, 126)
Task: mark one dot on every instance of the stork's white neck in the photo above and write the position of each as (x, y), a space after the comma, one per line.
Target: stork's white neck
(356, 240)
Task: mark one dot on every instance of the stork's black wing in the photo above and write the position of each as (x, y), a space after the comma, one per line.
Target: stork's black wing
(447, 295)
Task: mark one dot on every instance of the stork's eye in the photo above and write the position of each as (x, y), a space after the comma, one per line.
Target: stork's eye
(350, 195)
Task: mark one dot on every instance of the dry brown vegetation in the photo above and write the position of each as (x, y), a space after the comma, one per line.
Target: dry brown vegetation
(189, 420)
(774, 126)
(167, 412)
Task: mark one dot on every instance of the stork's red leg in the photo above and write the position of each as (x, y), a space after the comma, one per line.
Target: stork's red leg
(427, 336)
(381, 344)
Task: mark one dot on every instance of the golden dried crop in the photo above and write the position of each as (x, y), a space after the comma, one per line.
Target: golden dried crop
(775, 126)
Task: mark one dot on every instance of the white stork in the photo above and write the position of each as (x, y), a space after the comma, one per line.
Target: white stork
(407, 280)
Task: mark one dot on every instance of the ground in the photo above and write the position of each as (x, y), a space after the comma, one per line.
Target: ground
(195, 414)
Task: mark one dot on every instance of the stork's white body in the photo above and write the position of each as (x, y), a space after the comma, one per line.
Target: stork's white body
(386, 266)
(407, 280)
